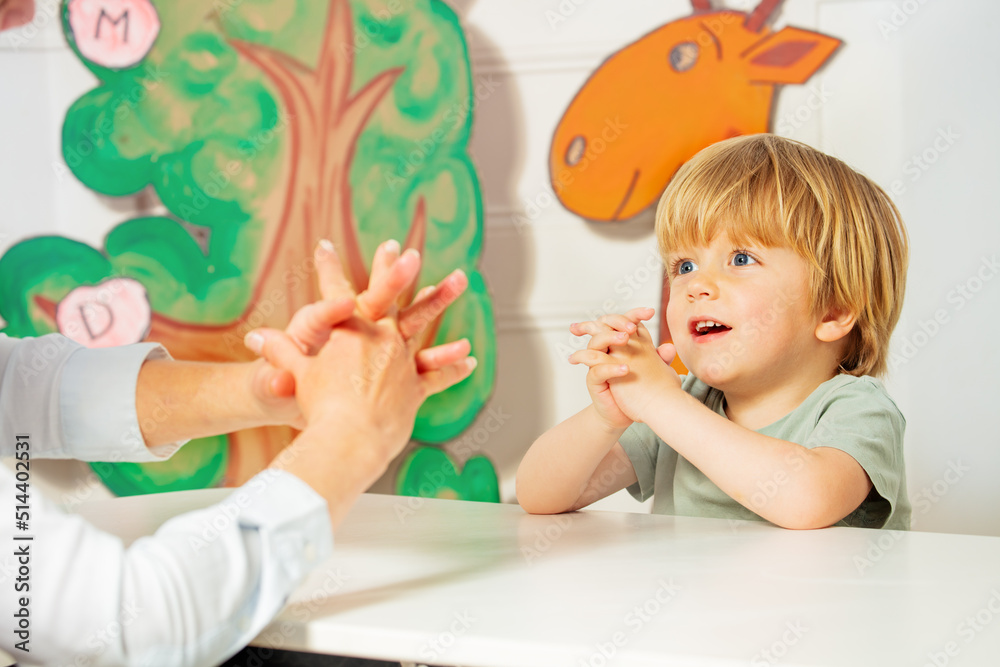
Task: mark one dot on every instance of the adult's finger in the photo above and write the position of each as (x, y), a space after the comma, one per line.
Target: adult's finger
(414, 320)
(310, 326)
(385, 288)
(275, 382)
(385, 257)
(276, 347)
(434, 358)
(333, 284)
(439, 380)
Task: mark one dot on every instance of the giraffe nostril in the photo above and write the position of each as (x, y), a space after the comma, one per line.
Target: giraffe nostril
(575, 151)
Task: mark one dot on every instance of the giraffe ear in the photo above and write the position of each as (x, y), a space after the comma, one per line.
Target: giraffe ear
(790, 55)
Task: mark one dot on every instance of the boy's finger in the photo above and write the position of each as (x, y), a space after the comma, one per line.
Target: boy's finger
(434, 358)
(386, 286)
(588, 357)
(639, 314)
(603, 341)
(276, 347)
(619, 322)
(439, 380)
(333, 284)
(601, 373)
(414, 320)
(667, 352)
(588, 328)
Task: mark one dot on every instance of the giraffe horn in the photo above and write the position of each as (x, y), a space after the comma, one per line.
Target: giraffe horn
(761, 14)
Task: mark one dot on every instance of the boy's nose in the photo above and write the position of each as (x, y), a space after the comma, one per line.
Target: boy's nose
(702, 287)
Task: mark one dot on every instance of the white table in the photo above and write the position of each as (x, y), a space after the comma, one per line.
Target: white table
(475, 584)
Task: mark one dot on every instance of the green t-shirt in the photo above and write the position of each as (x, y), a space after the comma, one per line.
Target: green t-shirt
(853, 414)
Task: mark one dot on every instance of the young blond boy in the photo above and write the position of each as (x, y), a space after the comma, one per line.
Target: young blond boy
(787, 271)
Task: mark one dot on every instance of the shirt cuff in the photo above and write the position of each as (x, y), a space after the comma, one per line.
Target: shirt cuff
(293, 524)
(103, 425)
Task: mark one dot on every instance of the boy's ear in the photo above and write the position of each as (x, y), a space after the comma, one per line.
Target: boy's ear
(836, 324)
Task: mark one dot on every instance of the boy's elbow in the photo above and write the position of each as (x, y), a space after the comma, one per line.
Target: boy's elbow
(534, 503)
(805, 514)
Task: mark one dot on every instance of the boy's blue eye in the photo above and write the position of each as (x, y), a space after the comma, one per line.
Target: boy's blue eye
(743, 259)
(687, 266)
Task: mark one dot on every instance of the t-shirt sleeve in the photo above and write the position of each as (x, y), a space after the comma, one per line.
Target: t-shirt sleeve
(642, 446)
(863, 421)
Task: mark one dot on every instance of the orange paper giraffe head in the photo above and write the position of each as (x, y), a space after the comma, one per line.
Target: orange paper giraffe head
(654, 104)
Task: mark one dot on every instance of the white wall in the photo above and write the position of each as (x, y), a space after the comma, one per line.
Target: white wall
(888, 96)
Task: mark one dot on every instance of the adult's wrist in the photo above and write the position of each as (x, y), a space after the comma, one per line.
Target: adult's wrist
(337, 460)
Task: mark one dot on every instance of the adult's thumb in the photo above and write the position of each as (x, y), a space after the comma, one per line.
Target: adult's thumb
(276, 347)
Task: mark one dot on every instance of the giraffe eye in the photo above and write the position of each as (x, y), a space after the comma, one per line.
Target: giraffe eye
(575, 150)
(684, 56)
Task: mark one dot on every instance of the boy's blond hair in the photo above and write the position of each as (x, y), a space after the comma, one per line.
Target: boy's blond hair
(775, 192)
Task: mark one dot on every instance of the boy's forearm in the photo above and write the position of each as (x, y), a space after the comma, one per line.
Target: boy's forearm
(179, 400)
(788, 484)
(556, 470)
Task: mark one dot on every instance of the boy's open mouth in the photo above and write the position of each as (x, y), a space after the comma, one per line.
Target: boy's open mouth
(706, 327)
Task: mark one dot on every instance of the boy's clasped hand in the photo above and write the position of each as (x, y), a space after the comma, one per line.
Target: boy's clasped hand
(626, 366)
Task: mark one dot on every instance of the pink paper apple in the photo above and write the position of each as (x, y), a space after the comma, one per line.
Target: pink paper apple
(115, 312)
(113, 33)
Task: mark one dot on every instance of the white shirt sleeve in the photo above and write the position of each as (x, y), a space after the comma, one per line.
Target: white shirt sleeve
(192, 594)
(74, 402)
